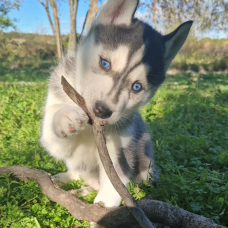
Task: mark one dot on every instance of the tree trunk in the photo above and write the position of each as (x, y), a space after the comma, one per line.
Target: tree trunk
(45, 5)
(72, 37)
(57, 29)
(91, 14)
(155, 9)
(93, 9)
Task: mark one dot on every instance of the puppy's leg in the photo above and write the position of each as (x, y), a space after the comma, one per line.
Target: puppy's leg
(61, 131)
(95, 225)
(68, 121)
(107, 194)
(63, 178)
(93, 184)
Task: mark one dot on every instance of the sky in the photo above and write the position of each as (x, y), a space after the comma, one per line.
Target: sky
(32, 18)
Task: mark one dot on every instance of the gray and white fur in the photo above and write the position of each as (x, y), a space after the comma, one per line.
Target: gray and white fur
(117, 68)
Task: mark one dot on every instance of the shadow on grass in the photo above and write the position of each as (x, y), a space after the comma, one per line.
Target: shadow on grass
(202, 80)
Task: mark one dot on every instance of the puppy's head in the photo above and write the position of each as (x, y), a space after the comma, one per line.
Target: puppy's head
(123, 60)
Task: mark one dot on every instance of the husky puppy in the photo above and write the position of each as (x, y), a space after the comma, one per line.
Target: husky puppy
(117, 68)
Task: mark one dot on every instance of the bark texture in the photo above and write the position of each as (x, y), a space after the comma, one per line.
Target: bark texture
(155, 10)
(45, 5)
(91, 14)
(57, 28)
(72, 36)
(93, 9)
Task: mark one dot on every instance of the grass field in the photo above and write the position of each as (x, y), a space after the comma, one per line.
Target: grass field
(202, 55)
(188, 119)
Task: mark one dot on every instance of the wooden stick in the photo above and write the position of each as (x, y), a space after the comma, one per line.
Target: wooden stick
(98, 130)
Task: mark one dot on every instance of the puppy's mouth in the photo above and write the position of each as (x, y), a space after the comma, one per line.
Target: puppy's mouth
(101, 112)
(90, 122)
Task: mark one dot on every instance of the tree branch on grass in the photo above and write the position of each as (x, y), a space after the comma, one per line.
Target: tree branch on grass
(157, 211)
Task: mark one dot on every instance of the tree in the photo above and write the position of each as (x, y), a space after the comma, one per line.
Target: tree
(72, 36)
(91, 14)
(155, 11)
(207, 14)
(55, 26)
(5, 7)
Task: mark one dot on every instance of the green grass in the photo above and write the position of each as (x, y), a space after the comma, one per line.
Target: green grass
(188, 118)
(9, 76)
(189, 122)
(205, 54)
(197, 63)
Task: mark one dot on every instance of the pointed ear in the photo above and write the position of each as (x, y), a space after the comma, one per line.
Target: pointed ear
(117, 12)
(174, 41)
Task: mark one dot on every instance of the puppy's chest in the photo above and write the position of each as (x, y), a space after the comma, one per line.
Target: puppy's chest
(114, 142)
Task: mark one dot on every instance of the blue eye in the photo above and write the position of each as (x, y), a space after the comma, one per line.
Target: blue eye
(136, 87)
(105, 64)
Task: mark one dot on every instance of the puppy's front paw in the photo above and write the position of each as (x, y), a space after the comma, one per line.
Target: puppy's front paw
(108, 200)
(69, 121)
(95, 225)
(61, 178)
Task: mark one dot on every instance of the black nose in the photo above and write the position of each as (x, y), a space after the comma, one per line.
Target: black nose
(101, 110)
